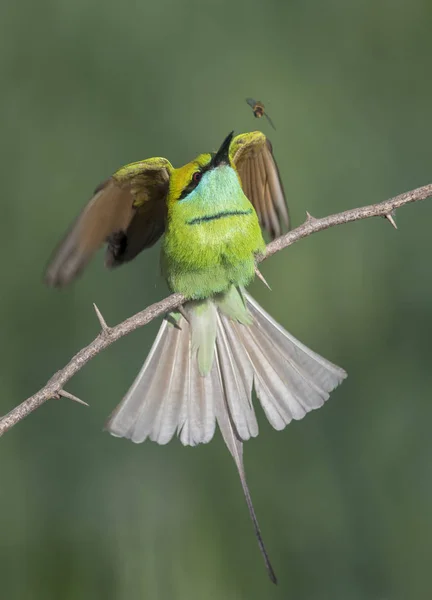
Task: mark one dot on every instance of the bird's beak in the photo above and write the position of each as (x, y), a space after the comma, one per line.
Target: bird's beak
(222, 155)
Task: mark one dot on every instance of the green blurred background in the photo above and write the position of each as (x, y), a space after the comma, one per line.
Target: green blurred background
(343, 497)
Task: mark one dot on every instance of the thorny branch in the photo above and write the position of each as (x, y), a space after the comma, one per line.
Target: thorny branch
(108, 335)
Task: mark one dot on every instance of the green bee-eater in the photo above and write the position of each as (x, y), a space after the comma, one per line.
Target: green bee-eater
(208, 357)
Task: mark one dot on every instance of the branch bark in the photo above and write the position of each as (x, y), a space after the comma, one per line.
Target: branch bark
(108, 335)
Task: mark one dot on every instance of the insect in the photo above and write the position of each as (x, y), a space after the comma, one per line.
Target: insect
(258, 110)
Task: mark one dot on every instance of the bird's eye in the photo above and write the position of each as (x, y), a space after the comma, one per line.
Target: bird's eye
(196, 177)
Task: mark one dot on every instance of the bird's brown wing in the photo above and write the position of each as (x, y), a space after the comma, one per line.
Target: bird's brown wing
(252, 156)
(127, 211)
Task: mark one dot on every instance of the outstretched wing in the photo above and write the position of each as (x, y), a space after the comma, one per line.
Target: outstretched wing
(251, 102)
(252, 156)
(269, 120)
(127, 211)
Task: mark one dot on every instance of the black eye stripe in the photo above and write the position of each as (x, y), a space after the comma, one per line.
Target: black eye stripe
(193, 184)
(188, 189)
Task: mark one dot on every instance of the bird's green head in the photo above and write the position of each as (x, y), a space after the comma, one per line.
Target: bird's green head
(206, 170)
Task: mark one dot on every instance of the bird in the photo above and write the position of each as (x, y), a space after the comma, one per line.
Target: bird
(211, 353)
(258, 110)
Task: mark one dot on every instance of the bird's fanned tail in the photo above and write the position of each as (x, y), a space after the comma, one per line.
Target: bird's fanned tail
(186, 387)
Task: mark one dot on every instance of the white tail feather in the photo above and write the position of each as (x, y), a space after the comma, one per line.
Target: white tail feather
(322, 372)
(237, 375)
(166, 420)
(126, 420)
(197, 419)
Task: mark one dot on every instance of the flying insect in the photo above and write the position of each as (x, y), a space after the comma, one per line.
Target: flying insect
(259, 110)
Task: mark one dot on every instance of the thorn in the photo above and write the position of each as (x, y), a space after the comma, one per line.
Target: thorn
(309, 217)
(64, 394)
(390, 218)
(261, 276)
(102, 321)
